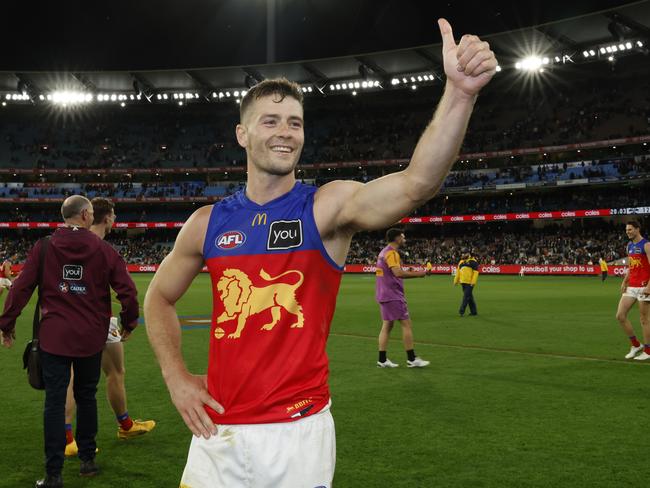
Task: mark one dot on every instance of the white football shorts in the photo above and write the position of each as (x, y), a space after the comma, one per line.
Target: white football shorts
(299, 454)
(5, 282)
(636, 292)
(114, 333)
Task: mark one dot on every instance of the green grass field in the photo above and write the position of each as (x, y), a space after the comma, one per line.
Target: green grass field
(531, 393)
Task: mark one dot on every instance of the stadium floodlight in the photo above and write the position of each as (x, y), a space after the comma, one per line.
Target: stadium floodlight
(180, 103)
(309, 90)
(585, 54)
(639, 44)
(394, 81)
(113, 97)
(338, 86)
(158, 96)
(530, 63)
(344, 86)
(220, 94)
(414, 87)
(498, 68)
(214, 94)
(66, 98)
(41, 97)
(628, 45)
(8, 96)
(131, 97)
(404, 81)
(165, 96)
(603, 50)
(357, 85)
(227, 94)
(332, 87)
(122, 104)
(610, 59)
(175, 96)
(236, 94)
(377, 85)
(354, 93)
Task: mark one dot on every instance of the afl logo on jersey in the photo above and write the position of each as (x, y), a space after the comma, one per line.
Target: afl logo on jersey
(230, 240)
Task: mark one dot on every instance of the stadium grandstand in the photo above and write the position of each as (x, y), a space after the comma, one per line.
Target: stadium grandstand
(555, 162)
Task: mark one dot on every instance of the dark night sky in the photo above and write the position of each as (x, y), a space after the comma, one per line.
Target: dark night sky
(143, 34)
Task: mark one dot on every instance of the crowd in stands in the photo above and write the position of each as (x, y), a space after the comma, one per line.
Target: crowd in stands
(497, 244)
(576, 242)
(460, 203)
(595, 171)
(373, 126)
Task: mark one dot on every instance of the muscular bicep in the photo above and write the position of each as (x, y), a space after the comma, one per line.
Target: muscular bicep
(183, 263)
(174, 276)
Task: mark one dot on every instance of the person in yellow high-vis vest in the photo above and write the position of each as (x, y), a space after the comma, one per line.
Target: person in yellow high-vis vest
(467, 276)
(603, 269)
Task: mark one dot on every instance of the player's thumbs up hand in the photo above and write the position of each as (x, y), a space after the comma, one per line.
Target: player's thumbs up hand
(447, 34)
(470, 64)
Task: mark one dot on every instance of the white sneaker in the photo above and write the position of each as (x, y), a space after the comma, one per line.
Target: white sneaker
(634, 351)
(417, 363)
(642, 357)
(387, 364)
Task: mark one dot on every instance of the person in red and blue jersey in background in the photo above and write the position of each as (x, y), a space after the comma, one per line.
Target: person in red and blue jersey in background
(635, 288)
(389, 293)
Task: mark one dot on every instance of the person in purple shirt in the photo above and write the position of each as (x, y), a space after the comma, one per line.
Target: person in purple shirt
(389, 293)
(78, 273)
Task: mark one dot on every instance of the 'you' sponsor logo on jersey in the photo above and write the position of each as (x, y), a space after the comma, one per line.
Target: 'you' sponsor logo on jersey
(73, 271)
(230, 240)
(285, 234)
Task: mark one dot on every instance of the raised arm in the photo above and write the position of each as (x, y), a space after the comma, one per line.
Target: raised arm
(378, 204)
(189, 392)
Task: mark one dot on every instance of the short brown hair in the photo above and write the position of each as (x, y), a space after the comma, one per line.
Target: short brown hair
(102, 208)
(392, 234)
(633, 223)
(281, 87)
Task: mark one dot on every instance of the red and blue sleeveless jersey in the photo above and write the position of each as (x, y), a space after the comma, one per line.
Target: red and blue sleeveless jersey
(274, 293)
(638, 263)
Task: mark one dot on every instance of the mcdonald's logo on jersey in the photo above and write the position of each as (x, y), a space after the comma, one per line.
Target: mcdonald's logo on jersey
(259, 219)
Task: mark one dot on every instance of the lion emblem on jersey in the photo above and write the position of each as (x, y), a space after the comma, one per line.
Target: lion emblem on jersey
(241, 299)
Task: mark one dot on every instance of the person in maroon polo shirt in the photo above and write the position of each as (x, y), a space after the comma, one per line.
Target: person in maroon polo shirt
(79, 271)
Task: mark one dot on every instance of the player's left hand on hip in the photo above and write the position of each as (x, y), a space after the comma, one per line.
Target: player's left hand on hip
(125, 335)
(470, 64)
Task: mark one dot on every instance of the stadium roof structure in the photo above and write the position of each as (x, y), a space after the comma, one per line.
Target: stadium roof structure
(597, 37)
